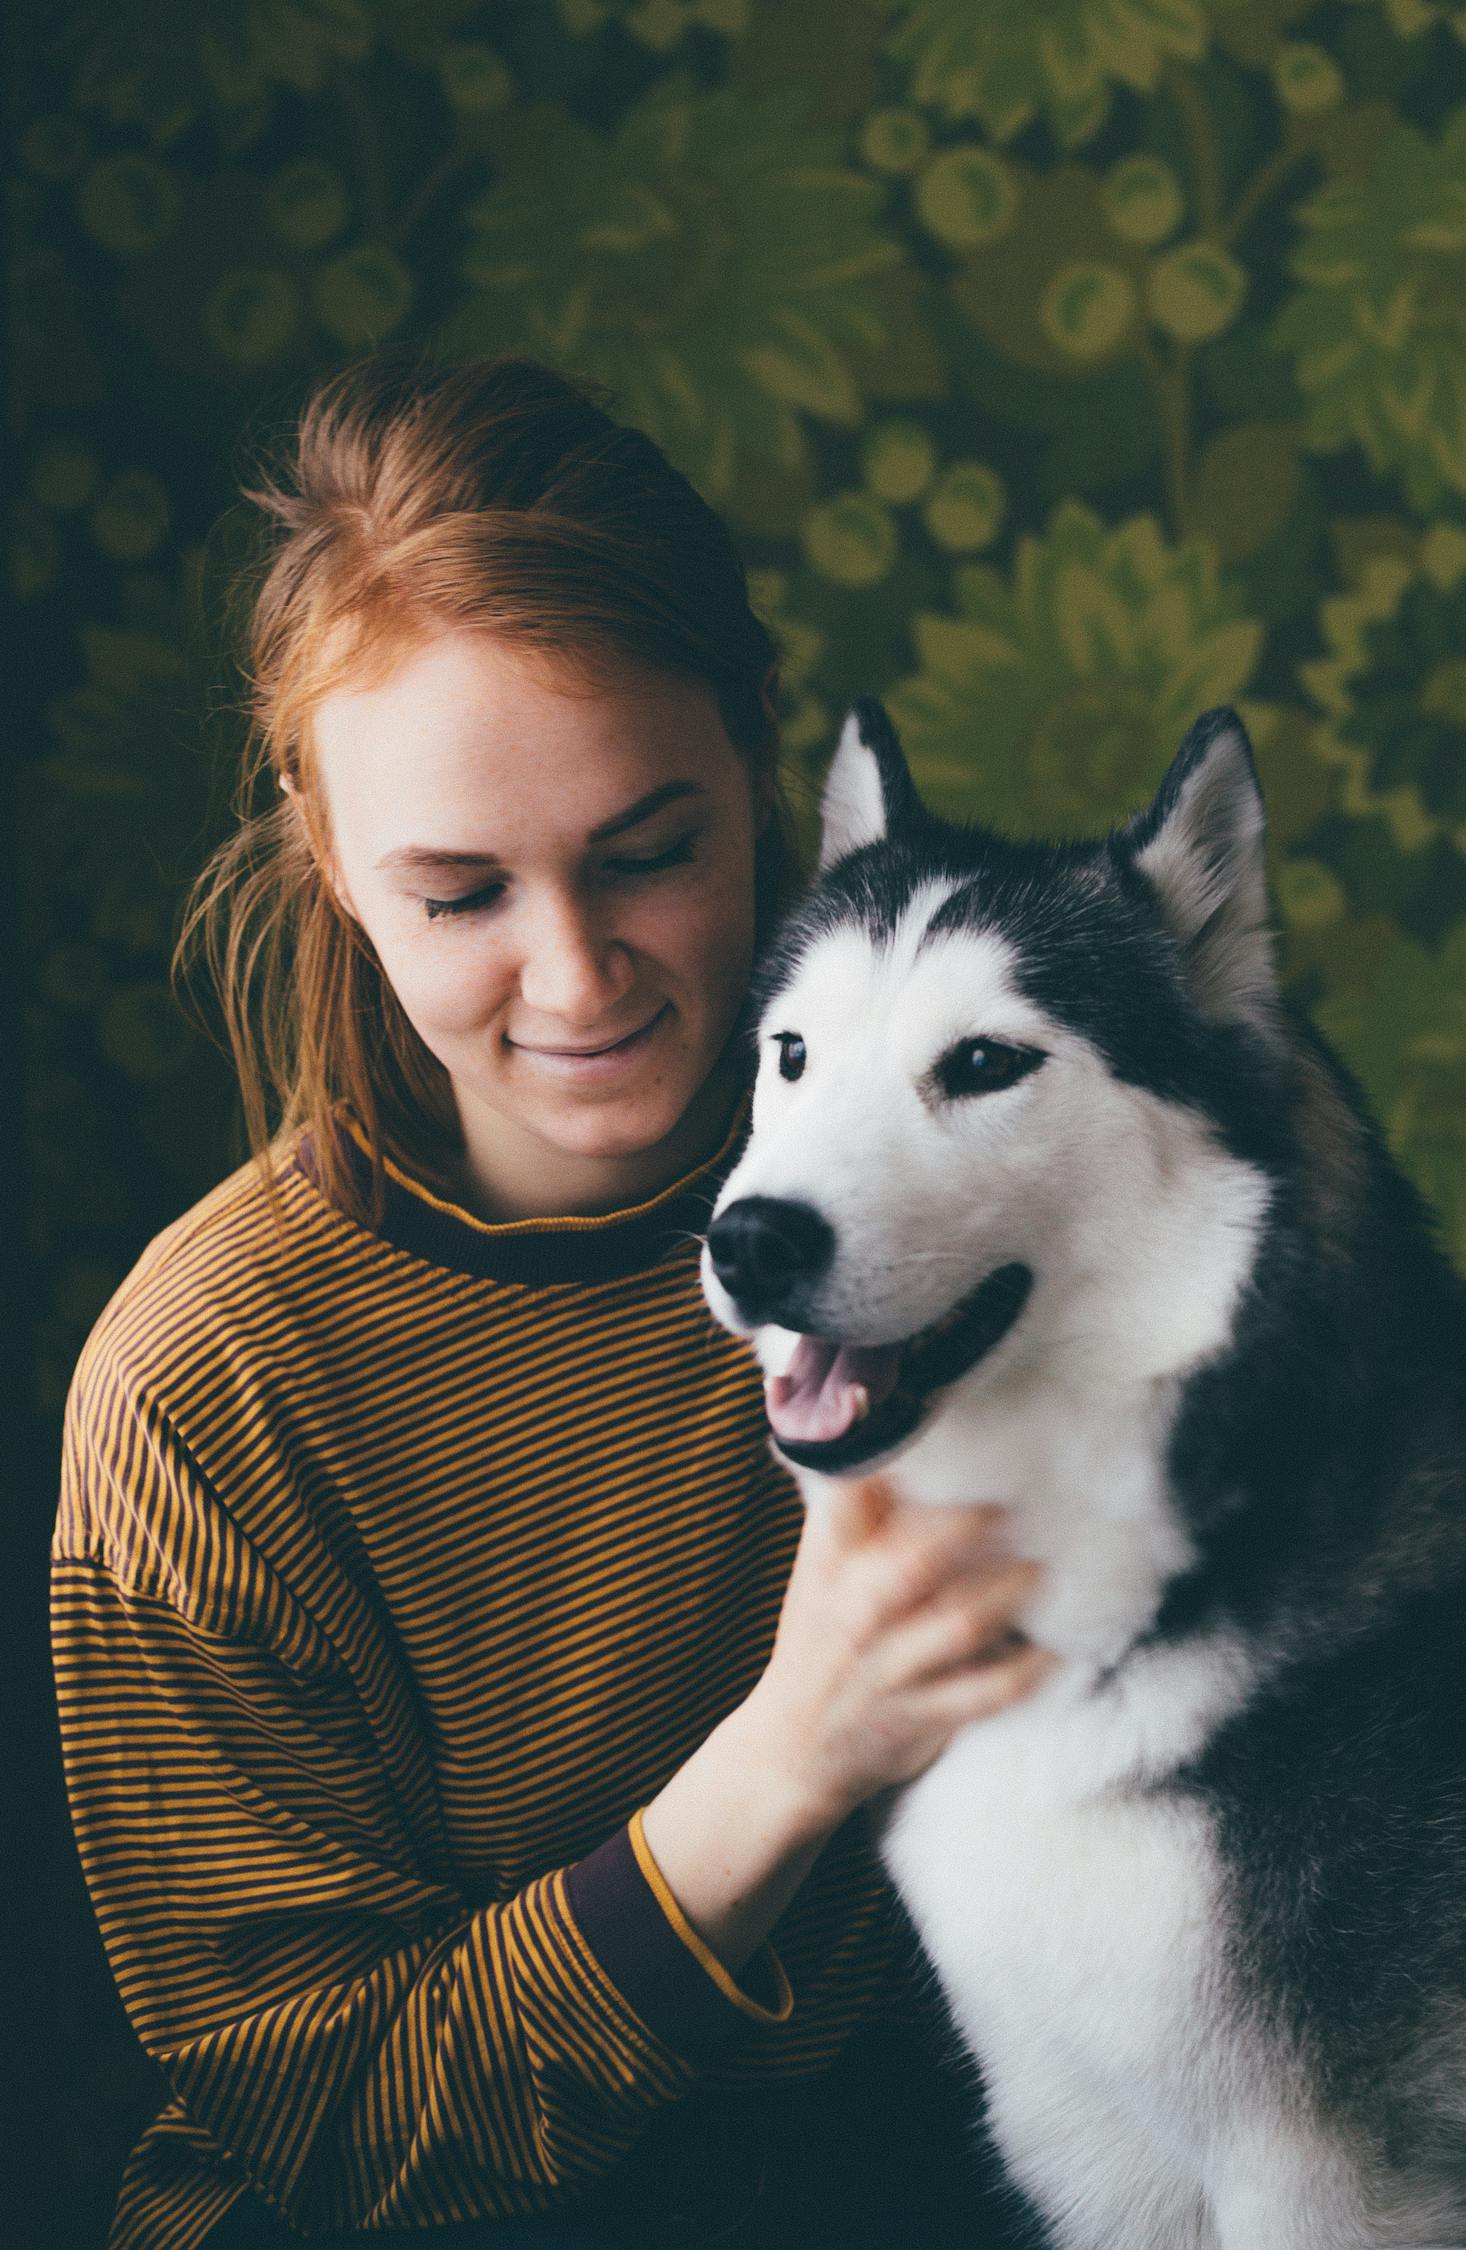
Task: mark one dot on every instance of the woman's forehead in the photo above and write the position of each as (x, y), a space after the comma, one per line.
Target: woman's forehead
(468, 732)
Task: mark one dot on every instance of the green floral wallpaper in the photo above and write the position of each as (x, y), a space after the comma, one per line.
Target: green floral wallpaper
(1062, 366)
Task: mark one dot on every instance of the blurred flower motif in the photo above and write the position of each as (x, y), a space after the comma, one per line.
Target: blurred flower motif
(962, 508)
(1143, 200)
(107, 729)
(475, 77)
(130, 519)
(1307, 78)
(61, 480)
(308, 203)
(162, 64)
(659, 24)
(1008, 61)
(1195, 291)
(851, 539)
(966, 197)
(1310, 895)
(1394, 690)
(1402, 1030)
(363, 295)
(1060, 290)
(966, 507)
(894, 140)
(711, 261)
(1378, 331)
(1410, 17)
(898, 461)
(251, 313)
(806, 718)
(1053, 702)
(1088, 308)
(125, 756)
(130, 203)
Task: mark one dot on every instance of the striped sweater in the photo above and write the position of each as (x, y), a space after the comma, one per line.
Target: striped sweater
(395, 1570)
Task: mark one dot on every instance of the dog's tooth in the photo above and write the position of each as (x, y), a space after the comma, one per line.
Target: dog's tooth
(861, 1397)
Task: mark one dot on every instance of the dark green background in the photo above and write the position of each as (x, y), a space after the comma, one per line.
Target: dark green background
(1062, 366)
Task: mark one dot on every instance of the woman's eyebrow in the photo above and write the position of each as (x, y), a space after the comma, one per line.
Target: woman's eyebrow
(432, 855)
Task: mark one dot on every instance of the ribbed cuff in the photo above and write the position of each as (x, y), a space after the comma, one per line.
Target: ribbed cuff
(675, 1982)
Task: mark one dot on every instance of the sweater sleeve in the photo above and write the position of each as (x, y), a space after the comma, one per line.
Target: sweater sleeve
(365, 2045)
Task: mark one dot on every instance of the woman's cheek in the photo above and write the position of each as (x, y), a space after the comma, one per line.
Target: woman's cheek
(724, 940)
(446, 990)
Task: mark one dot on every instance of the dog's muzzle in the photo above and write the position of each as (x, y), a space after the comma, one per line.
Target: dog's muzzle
(838, 1404)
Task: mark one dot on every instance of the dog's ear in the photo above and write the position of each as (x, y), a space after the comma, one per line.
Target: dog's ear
(868, 789)
(1200, 844)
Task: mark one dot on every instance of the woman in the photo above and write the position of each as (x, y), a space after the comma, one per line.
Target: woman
(450, 1702)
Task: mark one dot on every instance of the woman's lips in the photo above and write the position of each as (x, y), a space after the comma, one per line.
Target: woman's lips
(578, 1062)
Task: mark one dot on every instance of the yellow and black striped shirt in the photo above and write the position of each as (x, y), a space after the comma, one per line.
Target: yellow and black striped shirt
(395, 1569)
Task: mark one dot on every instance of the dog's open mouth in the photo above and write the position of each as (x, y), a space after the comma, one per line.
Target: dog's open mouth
(838, 1405)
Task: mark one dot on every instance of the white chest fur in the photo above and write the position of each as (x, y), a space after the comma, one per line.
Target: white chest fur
(1074, 1913)
(1074, 1933)
(1073, 1916)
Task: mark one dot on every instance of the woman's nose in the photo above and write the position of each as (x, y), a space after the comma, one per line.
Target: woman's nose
(574, 969)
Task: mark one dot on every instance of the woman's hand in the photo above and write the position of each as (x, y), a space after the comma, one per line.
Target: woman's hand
(897, 1629)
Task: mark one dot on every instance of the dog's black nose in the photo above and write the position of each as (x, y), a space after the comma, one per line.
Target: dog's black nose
(763, 1249)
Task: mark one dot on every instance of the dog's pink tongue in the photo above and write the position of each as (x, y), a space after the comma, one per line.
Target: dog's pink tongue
(819, 1396)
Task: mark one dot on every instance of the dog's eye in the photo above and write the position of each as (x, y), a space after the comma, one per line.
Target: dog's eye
(983, 1066)
(791, 1053)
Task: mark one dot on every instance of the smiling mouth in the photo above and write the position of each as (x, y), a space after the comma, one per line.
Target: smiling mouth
(608, 1049)
(838, 1406)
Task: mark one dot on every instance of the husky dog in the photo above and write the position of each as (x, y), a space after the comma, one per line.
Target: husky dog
(1052, 1197)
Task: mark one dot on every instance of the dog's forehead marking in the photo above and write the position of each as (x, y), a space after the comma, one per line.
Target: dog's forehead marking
(854, 975)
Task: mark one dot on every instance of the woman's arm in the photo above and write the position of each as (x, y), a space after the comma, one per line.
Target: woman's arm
(897, 1627)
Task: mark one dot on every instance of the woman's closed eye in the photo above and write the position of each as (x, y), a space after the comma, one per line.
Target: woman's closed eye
(677, 854)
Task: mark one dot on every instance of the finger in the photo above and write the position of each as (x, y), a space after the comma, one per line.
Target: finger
(986, 1688)
(961, 1626)
(909, 1572)
(954, 1534)
(858, 1508)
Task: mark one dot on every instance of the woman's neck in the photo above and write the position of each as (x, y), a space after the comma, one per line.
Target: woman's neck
(502, 1177)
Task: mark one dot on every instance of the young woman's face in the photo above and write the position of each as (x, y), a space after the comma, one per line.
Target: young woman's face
(558, 882)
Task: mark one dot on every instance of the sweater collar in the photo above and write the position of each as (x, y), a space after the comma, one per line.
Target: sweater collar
(605, 1247)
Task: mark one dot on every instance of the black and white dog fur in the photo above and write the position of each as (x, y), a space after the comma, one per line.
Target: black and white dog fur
(1052, 1197)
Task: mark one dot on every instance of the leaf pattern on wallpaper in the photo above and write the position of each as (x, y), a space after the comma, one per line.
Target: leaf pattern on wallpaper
(160, 64)
(1378, 330)
(1008, 60)
(1393, 685)
(712, 260)
(1053, 699)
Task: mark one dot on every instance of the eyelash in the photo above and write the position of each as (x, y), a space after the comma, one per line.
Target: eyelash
(473, 902)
